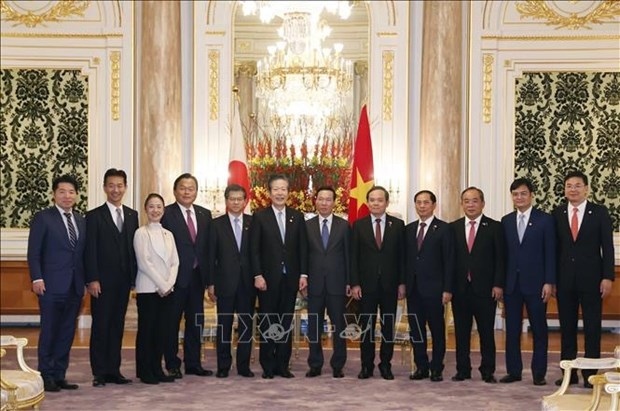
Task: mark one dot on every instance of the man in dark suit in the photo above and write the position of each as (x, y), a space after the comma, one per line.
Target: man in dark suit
(378, 278)
(110, 273)
(233, 287)
(430, 277)
(328, 281)
(191, 226)
(279, 251)
(530, 279)
(56, 263)
(479, 282)
(585, 268)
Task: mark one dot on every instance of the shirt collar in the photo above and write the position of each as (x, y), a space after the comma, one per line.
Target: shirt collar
(113, 208)
(62, 212)
(184, 209)
(428, 221)
(526, 213)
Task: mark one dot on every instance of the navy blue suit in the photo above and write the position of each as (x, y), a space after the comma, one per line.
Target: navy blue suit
(530, 264)
(430, 273)
(192, 280)
(51, 258)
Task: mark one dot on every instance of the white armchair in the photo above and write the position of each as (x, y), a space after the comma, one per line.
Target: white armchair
(20, 388)
(612, 387)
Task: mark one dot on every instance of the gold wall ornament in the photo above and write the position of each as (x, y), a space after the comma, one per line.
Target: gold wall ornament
(62, 9)
(115, 83)
(361, 68)
(605, 12)
(246, 68)
(214, 83)
(388, 84)
(487, 86)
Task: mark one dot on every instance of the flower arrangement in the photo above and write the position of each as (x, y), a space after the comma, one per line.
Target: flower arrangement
(325, 162)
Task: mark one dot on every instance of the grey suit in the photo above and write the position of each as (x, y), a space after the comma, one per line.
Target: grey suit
(328, 276)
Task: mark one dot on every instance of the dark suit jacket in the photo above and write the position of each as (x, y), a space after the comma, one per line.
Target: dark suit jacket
(50, 255)
(231, 267)
(369, 264)
(328, 268)
(102, 257)
(486, 261)
(174, 221)
(269, 254)
(590, 259)
(531, 262)
(431, 269)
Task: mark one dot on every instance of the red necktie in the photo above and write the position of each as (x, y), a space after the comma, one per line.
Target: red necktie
(421, 235)
(190, 226)
(574, 223)
(378, 232)
(470, 242)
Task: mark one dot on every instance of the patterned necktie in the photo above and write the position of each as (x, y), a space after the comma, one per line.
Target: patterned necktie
(281, 224)
(421, 235)
(72, 233)
(190, 226)
(378, 232)
(574, 223)
(521, 227)
(238, 233)
(325, 234)
(472, 235)
(119, 220)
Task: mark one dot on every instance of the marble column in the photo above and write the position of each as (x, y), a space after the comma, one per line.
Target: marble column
(441, 105)
(159, 97)
(360, 87)
(244, 80)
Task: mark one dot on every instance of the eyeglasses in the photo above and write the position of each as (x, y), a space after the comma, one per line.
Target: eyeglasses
(574, 187)
(236, 199)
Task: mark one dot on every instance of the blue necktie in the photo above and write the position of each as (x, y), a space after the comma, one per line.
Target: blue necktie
(325, 234)
(281, 224)
(238, 233)
(521, 227)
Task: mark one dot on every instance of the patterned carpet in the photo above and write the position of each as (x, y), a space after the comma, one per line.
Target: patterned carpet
(299, 393)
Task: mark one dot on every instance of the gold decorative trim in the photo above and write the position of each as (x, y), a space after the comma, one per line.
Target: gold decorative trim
(62, 35)
(215, 33)
(61, 9)
(388, 84)
(537, 9)
(386, 34)
(246, 68)
(487, 87)
(529, 37)
(96, 61)
(214, 83)
(115, 82)
(360, 68)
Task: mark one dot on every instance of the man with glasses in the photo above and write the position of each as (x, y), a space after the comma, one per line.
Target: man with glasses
(585, 269)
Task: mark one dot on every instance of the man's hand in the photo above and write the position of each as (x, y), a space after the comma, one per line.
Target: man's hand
(356, 292)
(497, 293)
(260, 283)
(211, 293)
(402, 291)
(605, 288)
(38, 287)
(94, 288)
(547, 292)
(347, 291)
(303, 286)
(446, 298)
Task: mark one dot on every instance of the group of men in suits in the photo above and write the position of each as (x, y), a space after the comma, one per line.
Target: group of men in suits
(473, 262)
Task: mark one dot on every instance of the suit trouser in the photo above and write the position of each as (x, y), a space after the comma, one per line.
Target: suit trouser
(569, 299)
(242, 303)
(153, 331)
(188, 302)
(277, 307)
(465, 307)
(537, 317)
(335, 305)
(422, 311)
(386, 301)
(106, 332)
(58, 321)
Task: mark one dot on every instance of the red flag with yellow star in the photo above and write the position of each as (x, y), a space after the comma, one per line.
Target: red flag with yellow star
(362, 173)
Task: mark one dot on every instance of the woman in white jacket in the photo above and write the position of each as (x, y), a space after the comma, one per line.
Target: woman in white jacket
(158, 264)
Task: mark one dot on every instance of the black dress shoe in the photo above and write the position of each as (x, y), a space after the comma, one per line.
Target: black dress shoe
(223, 373)
(117, 379)
(489, 378)
(246, 373)
(267, 375)
(198, 371)
(174, 372)
(540, 381)
(460, 376)
(436, 376)
(386, 372)
(507, 379)
(66, 385)
(365, 373)
(161, 377)
(150, 379)
(98, 381)
(313, 372)
(419, 374)
(286, 374)
(50, 385)
(574, 379)
(337, 373)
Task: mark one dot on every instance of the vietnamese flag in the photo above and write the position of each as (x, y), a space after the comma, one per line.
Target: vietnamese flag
(238, 165)
(362, 172)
